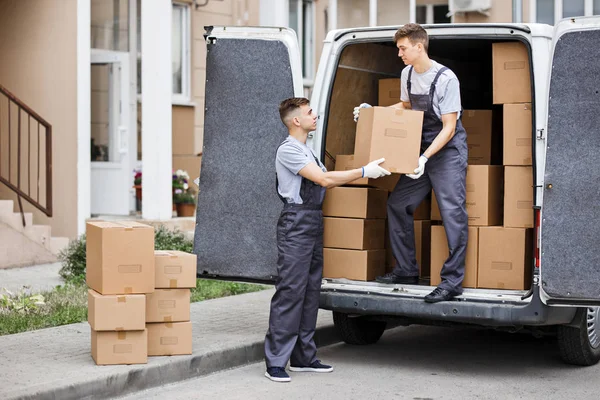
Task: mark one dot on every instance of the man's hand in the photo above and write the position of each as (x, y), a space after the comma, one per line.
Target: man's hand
(373, 170)
(357, 110)
(420, 170)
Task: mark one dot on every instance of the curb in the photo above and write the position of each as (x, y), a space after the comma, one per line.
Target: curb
(181, 368)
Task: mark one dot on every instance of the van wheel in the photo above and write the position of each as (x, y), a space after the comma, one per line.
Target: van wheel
(358, 330)
(581, 345)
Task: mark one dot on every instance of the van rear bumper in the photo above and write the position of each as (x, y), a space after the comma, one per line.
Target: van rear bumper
(485, 313)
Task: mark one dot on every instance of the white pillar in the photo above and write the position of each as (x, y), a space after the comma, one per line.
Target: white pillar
(412, 11)
(558, 11)
(532, 11)
(274, 13)
(332, 15)
(84, 166)
(588, 8)
(157, 78)
(372, 12)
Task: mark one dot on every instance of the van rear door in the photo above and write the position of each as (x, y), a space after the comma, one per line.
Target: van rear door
(249, 71)
(570, 226)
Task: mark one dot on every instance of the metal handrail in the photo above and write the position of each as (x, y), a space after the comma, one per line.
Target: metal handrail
(23, 189)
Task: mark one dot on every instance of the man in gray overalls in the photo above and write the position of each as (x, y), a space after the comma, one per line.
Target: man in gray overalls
(434, 89)
(300, 182)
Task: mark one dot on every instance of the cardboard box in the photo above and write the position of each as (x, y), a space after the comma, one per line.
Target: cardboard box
(389, 92)
(395, 135)
(360, 265)
(168, 305)
(423, 211)
(345, 162)
(511, 75)
(169, 339)
(505, 258)
(120, 257)
(484, 194)
(174, 269)
(517, 134)
(116, 312)
(124, 347)
(478, 125)
(435, 208)
(354, 202)
(440, 253)
(518, 197)
(351, 233)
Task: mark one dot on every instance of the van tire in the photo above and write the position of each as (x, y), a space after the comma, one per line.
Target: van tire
(581, 345)
(358, 330)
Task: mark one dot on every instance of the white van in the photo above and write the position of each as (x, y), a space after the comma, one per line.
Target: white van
(250, 70)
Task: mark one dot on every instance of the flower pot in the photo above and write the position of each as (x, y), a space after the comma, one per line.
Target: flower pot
(185, 209)
(138, 192)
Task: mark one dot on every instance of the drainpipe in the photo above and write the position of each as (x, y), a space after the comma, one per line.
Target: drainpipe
(517, 11)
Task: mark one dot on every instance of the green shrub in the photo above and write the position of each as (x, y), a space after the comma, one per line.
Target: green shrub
(73, 256)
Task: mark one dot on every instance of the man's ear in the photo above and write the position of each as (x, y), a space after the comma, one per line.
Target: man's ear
(296, 121)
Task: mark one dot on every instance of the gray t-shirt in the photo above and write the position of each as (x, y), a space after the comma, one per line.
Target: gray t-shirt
(446, 98)
(292, 156)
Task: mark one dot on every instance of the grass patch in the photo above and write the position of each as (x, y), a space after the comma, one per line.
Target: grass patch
(68, 305)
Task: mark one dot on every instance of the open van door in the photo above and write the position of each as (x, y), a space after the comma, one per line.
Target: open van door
(570, 228)
(249, 71)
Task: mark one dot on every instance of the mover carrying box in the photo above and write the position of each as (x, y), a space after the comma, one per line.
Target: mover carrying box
(168, 305)
(360, 265)
(116, 312)
(352, 233)
(123, 347)
(119, 257)
(511, 77)
(518, 197)
(174, 269)
(439, 254)
(505, 258)
(395, 135)
(478, 125)
(484, 194)
(389, 92)
(169, 339)
(517, 134)
(355, 202)
(345, 162)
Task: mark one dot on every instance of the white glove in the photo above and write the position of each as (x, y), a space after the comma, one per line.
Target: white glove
(420, 170)
(373, 170)
(357, 110)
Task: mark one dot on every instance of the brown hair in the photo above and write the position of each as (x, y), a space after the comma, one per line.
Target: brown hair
(290, 105)
(415, 34)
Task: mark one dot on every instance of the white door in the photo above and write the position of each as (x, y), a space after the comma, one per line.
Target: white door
(111, 167)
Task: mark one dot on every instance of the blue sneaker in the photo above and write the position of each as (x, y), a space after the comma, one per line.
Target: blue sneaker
(314, 367)
(277, 374)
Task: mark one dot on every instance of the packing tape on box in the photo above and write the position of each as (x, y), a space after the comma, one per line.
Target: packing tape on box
(121, 299)
(119, 328)
(173, 283)
(168, 319)
(121, 335)
(128, 290)
(169, 325)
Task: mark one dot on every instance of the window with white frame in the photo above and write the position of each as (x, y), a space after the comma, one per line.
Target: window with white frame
(180, 52)
(433, 14)
(552, 11)
(302, 20)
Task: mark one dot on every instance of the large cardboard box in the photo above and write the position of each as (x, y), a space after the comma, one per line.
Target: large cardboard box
(355, 202)
(116, 312)
(478, 125)
(389, 92)
(511, 75)
(169, 339)
(484, 194)
(360, 265)
(392, 134)
(440, 253)
(517, 134)
(422, 249)
(123, 347)
(518, 197)
(505, 258)
(174, 269)
(168, 305)
(345, 162)
(120, 257)
(353, 233)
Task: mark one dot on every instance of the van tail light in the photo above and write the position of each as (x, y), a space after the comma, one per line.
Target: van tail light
(537, 238)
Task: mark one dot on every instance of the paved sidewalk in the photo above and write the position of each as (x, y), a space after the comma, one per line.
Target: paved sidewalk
(55, 363)
(38, 278)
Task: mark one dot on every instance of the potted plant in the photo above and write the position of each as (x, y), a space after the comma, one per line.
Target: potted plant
(137, 183)
(183, 194)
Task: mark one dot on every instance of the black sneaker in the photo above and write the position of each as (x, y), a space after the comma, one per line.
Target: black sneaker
(314, 367)
(277, 374)
(438, 294)
(390, 277)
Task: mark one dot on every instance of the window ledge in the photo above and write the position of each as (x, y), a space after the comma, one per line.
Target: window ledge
(183, 103)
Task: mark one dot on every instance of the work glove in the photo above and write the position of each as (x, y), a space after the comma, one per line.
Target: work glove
(420, 170)
(357, 110)
(373, 170)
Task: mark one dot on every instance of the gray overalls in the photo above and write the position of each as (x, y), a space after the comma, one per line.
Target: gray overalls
(446, 172)
(295, 305)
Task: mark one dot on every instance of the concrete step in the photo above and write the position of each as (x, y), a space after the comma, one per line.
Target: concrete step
(6, 207)
(57, 244)
(15, 221)
(40, 234)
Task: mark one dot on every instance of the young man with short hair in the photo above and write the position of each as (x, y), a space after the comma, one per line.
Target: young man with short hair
(301, 182)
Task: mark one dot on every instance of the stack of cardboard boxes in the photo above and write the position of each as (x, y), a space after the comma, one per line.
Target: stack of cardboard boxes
(122, 274)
